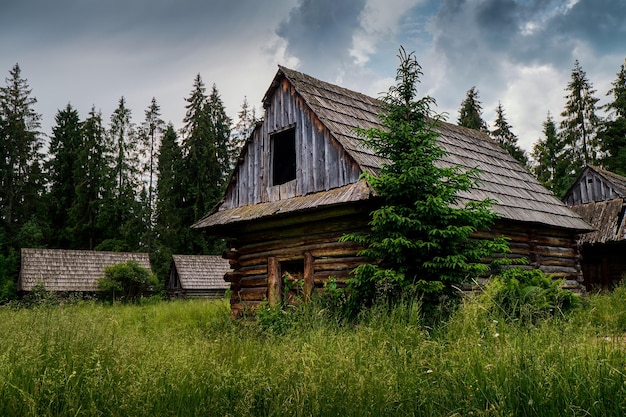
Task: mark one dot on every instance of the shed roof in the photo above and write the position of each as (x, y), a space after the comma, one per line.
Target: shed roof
(201, 272)
(517, 194)
(70, 270)
(607, 218)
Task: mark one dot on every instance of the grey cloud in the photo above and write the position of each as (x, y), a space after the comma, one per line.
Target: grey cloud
(319, 33)
(601, 23)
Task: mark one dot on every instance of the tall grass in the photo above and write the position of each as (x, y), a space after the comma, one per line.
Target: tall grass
(189, 358)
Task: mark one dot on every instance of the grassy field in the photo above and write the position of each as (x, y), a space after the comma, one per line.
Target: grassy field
(190, 359)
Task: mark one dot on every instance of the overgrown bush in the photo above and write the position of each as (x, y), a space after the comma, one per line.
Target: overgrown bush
(127, 282)
(527, 295)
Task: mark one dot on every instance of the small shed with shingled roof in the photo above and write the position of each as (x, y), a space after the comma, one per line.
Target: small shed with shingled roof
(198, 276)
(599, 197)
(62, 270)
(297, 188)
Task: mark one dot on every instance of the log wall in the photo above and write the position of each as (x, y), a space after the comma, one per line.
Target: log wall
(312, 252)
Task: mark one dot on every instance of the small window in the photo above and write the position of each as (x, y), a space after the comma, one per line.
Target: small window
(283, 156)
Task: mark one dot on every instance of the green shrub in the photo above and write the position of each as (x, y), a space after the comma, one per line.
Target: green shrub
(527, 295)
(127, 282)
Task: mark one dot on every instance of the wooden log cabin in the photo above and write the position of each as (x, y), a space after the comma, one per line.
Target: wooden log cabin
(297, 189)
(598, 196)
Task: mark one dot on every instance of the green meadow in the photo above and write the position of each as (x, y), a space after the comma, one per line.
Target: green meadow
(189, 358)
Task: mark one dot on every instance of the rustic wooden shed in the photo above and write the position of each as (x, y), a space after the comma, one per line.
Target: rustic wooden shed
(197, 276)
(70, 270)
(598, 196)
(297, 189)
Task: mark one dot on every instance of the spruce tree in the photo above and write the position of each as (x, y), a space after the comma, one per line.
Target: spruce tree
(21, 177)
(505, 137)
(63, 174)
(612, 132)
(169, 202)
(150, 134)
(551, 159)
(419, 239)
(246, 120)
(21, 182)
(91, 172)
(123, 209)
(579, 125)
(470, 113)
(205, 159)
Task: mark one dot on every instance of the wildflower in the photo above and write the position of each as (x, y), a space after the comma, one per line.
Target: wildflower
(430, 371)
(496, 335)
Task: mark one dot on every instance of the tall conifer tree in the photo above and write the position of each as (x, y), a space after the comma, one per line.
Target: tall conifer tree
(150, 134)
(613, 131)
(21, 181)
(503, 134)
(470, 113)
(551, 167)
(124, 210)
(91, 172)
(246, 120)
(580, 122)
(64, 174)
(419, 240)
(201, 166)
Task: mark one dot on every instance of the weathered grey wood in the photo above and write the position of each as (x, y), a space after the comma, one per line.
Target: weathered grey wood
(274, 282)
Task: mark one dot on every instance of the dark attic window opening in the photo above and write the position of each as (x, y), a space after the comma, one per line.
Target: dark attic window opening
(283, 156)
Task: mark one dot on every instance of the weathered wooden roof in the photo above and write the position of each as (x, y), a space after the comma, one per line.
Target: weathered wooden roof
(70, 270)
(607, 217)
(518, 195)
(201, 272)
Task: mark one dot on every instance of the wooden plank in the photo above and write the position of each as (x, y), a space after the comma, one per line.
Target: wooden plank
(309, 282)
(274, 282)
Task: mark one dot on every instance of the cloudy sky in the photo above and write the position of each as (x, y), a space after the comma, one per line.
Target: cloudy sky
(520, 52)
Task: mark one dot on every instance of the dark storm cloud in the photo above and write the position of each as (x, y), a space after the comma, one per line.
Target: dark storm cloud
(600, 23)
(527, 31)
(319, 33)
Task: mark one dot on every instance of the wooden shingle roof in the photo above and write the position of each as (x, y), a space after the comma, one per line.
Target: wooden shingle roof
(517, 194)
(200, 272)
(70, 270)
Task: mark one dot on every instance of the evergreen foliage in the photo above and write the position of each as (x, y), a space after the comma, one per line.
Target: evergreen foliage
(241, 131)
(505, 137)
(419, 242)
(579, 126)
(91, 171)
(150, 134)
(21, 180)
(527, 296)
(205, 161)
(64, 174)
(612, 133)
(21, 174)
(470, 113)
(550, 169)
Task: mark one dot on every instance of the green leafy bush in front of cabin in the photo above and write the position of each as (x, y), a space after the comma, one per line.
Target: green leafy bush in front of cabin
(127, 282)
(527, 296)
